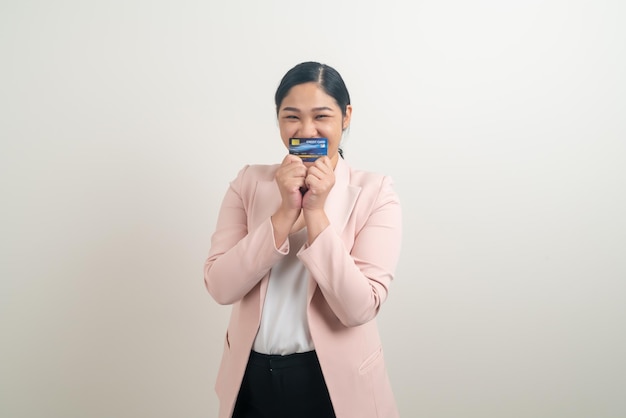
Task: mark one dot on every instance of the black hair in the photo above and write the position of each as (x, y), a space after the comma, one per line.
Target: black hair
(324, 75)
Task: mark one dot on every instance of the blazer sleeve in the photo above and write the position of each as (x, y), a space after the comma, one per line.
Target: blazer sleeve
(355, 282)
(239, 258)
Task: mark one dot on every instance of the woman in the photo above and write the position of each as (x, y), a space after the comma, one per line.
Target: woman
(305, 252)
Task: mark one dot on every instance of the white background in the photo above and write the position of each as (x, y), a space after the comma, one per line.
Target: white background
(502, 123)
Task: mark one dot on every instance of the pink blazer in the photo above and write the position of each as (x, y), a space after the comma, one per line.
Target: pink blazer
(350, 264)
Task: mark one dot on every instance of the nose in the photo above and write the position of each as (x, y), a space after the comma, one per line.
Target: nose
(307, 130)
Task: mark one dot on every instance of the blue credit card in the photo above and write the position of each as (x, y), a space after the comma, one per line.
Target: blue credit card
(309, 149)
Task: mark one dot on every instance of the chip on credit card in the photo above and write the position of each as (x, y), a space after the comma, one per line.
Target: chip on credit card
(308, 149)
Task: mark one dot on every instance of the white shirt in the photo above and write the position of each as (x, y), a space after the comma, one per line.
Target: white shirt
(284, 327)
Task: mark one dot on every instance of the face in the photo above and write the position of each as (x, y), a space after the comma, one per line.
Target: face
(308, 112)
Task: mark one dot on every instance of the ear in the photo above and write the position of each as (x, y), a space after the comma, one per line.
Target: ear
(347, 117)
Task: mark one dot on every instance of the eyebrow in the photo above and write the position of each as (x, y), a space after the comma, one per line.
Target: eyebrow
(315, 109)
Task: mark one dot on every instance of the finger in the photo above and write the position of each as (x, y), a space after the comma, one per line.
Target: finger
(295, 170)
(313, 181)
(324, 165)
(290, 158)
(320, 171)
(324, 162)
(292, 169)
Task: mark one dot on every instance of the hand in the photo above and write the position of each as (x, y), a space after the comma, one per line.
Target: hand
(290, 178)
(319, 180)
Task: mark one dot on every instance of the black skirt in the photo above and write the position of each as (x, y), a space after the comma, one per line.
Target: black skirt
(283, 387)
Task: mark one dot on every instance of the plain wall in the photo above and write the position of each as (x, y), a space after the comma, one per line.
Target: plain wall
(502, 124)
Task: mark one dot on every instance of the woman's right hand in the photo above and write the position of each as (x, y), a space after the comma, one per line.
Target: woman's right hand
(290, 179)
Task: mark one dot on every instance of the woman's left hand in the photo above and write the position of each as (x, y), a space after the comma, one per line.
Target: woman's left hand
(319, 181)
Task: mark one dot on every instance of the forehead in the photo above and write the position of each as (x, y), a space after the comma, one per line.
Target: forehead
(308, 95)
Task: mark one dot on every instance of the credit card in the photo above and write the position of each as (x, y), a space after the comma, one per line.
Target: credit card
(309, 149)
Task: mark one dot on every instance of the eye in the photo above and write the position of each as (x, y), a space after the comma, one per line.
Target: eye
(290, 117)
(321, 116)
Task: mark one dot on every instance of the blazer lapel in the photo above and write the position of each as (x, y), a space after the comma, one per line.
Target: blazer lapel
(265, 202)
(339, 205)
(261, 210)
(342, 197)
